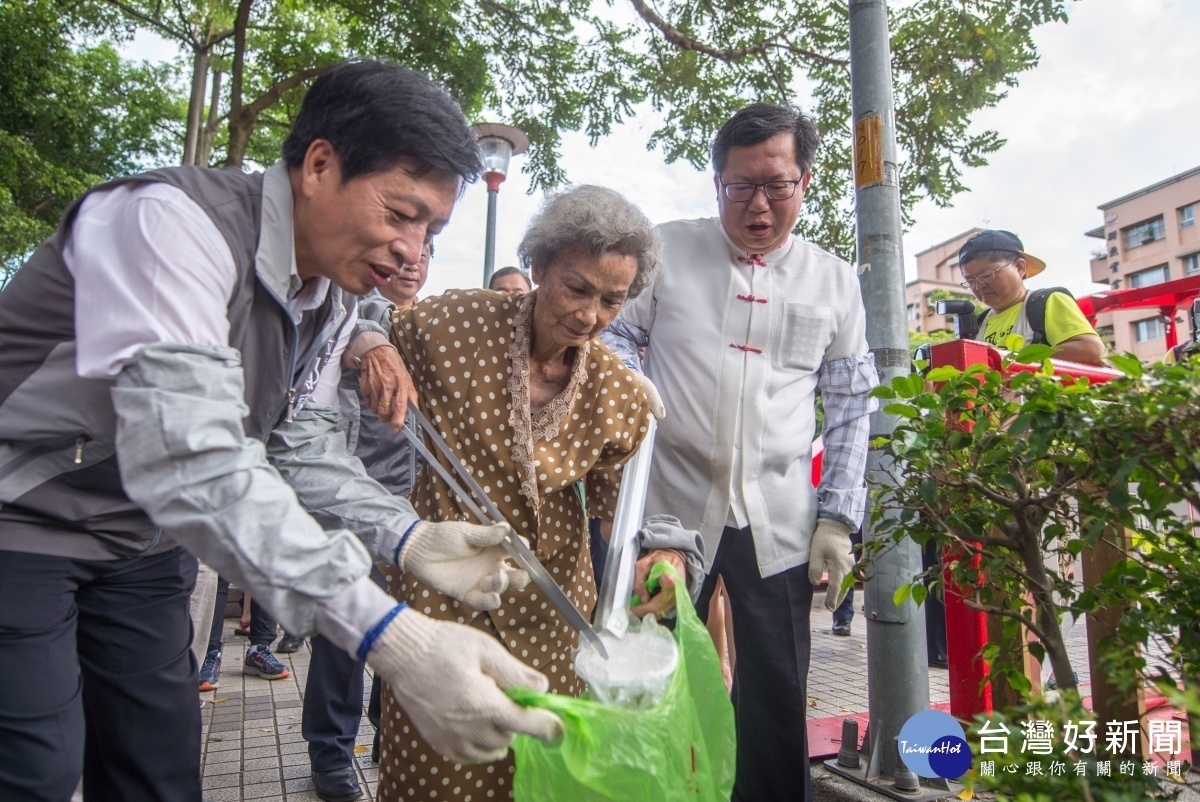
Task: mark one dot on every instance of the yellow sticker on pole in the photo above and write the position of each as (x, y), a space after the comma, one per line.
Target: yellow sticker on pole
(868, 151)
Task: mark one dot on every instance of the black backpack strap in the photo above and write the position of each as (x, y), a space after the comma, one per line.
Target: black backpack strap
(1035, 311)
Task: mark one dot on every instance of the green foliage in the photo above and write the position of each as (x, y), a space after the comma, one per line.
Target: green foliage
(918, 338)
(552, 67)
(1011, 468)
(548, 67)
(72, 114)
(950, 295)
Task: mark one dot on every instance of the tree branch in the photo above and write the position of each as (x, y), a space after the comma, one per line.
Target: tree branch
(273, 94)
(1006, 613)
(157, 23)
(684, 42)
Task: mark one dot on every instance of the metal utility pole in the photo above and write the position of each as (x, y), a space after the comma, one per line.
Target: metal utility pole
(489, 243)
(897, 668)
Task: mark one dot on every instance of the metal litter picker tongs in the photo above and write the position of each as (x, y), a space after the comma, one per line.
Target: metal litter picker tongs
(487, 513)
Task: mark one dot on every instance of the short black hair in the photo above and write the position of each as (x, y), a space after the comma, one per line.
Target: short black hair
(758, 122)
(508, 271)
(376, 113)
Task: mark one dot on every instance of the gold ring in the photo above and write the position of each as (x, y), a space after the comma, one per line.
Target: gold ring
(386, 405)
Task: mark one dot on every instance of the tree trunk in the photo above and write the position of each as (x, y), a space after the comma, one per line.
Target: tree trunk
(193, 137)
(1046, 612)
(209, 133)
(240, 128)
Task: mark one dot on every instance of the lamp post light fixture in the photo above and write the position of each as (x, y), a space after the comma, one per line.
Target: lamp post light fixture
(499, 143)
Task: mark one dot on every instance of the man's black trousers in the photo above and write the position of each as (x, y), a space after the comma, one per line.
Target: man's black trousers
(97, 677)
(771, 634)
(333, 702)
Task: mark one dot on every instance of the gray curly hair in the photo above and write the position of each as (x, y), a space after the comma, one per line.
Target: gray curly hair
(597, 219)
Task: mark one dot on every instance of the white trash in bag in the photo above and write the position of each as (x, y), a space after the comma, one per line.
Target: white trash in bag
(638, 669)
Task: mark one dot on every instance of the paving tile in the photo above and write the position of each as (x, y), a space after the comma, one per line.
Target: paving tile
(256, 739)
(298, 784)
(260, 751)
(271, 790)
(222, 794)
(223, 780)
(298, 758)
(222, 744)
(261, 776)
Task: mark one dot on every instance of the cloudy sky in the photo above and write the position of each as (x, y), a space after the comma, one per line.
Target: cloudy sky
(1113, 106)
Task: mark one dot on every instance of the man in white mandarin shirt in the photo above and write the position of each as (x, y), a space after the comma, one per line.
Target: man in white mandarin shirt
(744, 325)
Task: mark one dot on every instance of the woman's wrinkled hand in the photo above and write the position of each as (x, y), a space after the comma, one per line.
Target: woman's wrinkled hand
(386, 385)
(662, 602)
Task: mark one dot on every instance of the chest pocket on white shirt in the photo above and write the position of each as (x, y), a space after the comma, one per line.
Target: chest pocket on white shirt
(805, 334)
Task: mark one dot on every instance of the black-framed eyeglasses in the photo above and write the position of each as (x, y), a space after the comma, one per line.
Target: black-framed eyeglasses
(985, 279)
(774, 190)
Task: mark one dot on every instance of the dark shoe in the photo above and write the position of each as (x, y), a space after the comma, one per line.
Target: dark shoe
(261, 662)
(375, 748)
(210, 672)
(939, 662)
(841, 628)
(288, 644)
(338, 785)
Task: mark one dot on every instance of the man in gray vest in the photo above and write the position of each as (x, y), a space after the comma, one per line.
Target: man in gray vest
(168, 387)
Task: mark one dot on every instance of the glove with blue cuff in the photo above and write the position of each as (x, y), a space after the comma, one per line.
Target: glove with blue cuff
(450, 680)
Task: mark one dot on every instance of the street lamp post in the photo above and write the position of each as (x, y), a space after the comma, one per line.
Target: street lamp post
(499, 143)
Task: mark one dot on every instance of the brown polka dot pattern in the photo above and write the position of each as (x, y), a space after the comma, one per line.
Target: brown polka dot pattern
(468, 352)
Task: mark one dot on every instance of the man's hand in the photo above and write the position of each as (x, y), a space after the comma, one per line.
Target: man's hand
(463, 560)
(655, 400)
(831, 553)
(662, 602)
(386, 384)
(450, 678)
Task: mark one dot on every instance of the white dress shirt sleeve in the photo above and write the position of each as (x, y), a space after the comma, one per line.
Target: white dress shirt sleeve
(149, 267)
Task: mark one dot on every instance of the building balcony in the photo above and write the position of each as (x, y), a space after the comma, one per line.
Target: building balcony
(1102, 272)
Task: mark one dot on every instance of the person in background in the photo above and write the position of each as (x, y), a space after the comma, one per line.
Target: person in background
(168, 390)
(332, 709)
(994, 267)
(510, 279)
(743, 324)
(259, 660)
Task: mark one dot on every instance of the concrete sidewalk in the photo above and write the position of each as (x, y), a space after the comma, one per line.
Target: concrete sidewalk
(253, 748)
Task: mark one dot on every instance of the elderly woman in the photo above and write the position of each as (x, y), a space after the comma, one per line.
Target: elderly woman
(544, 415)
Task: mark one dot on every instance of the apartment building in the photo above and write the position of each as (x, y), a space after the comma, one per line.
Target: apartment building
(1149, 236)
(937, 269)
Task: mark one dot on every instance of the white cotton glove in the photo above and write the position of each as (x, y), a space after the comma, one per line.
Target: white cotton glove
(830, 553)
(449, 679)
(656, 404)
(463, 560)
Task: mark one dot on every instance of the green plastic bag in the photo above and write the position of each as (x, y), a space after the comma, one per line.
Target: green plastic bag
(683, 748)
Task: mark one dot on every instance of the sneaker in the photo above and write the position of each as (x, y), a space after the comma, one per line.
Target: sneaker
(260, 662)
(210, 672)
(841, 628)
(289, 643)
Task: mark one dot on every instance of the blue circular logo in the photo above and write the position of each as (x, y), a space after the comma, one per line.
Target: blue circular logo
(933, 744)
